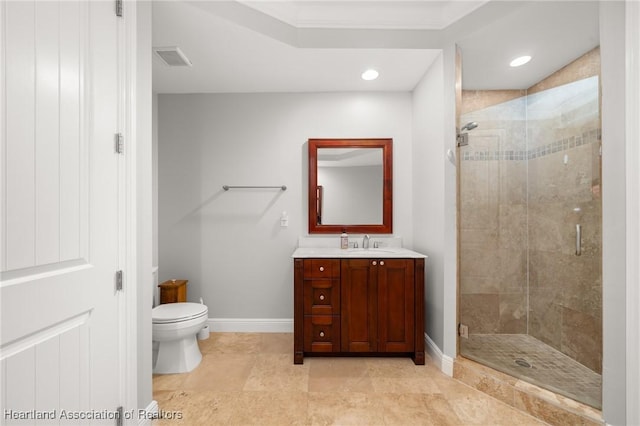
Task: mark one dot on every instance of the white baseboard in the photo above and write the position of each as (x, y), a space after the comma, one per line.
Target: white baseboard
(444, 362)
(251, 325)
(150, 412)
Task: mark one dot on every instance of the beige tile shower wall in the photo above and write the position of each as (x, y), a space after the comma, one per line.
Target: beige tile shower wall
(475, 100)
(565, 290)
(588, 65)
(493, 217)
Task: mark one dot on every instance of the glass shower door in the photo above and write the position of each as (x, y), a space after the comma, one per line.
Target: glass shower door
(530, 236)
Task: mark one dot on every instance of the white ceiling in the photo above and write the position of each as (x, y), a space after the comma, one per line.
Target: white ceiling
(320, 46)
(367, 14)
(553, 33)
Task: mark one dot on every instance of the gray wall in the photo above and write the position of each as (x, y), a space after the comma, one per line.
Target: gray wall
(229, 244)
(632, 28)
(449, 249)
(434, 198)
(428, 192)
(612, 46)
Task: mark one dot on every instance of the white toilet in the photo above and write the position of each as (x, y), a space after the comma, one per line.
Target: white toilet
(175, 326)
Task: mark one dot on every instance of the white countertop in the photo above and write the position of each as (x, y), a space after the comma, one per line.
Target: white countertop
(331, 252)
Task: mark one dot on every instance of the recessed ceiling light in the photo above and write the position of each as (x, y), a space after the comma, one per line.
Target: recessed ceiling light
(370, 74)
(520, 61)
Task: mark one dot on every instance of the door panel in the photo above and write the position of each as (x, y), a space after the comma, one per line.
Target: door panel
(19, 124)
(358, 309)
(47, 143)
(396, 305)
(72, 232)
(60, 339)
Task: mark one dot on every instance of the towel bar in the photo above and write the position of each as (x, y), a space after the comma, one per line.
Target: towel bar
(228, 187)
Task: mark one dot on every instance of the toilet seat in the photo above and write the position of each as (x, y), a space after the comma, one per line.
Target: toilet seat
(170, 313)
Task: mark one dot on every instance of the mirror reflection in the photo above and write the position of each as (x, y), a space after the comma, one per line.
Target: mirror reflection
(350, 185)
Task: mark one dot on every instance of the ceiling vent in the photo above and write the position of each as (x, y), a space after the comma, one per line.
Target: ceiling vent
(172, 56)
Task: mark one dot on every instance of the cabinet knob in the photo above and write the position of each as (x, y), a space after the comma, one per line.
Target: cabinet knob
(374, 263)
(322, 334)
(322, 297)
(321, 268)
(382, 263)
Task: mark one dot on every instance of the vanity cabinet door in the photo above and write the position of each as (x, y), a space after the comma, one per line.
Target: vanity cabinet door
(359, 283)
(378, 305)
(396, 305)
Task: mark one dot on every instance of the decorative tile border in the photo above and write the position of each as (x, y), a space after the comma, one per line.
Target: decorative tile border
(590, 136)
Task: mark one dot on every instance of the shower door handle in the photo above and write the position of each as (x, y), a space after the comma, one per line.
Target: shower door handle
(578, 239)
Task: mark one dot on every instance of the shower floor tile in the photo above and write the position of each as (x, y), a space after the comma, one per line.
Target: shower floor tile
(529, 359)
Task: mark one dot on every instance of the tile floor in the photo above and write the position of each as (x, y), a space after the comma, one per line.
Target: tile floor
(250, 379)
(550, 369)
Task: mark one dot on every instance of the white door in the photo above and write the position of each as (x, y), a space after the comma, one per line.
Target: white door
(60, 311)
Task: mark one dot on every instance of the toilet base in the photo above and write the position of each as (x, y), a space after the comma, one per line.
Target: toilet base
(177, 356)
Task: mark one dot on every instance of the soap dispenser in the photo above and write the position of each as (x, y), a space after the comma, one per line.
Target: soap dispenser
(344, 240)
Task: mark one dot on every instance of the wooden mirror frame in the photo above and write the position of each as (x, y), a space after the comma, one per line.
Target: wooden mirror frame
(387, 196)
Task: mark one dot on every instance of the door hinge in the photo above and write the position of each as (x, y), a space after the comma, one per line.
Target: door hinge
(463, 139)
(119, 8)
(463, 331)
(119, 143)
(119, 280)
(120, 416)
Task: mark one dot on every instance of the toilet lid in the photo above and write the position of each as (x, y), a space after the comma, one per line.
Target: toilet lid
(172, 312)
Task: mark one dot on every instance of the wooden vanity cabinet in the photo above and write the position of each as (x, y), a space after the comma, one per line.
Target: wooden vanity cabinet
(359, 306)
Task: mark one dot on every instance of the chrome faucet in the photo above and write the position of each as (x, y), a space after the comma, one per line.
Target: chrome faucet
(365, 242)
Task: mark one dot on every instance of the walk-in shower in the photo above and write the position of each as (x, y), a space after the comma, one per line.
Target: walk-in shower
(530, 245)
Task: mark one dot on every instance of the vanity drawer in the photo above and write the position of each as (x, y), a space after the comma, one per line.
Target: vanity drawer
(322, 268)
(322, 333)
(322, 297)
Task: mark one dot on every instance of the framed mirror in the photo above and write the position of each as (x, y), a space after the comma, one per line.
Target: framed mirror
(350, 186)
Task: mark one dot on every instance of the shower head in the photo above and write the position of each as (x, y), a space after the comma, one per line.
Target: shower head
(469, 126)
